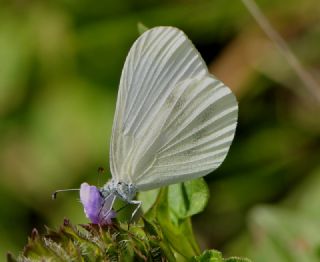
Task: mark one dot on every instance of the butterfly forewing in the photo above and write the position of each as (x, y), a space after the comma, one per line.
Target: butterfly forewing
(173, 121)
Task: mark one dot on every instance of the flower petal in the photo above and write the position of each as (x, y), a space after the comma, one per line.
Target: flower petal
(92, 202)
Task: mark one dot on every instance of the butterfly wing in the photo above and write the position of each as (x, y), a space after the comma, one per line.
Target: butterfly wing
(174, 121)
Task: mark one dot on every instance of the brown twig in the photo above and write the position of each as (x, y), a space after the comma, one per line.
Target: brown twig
(310, 83)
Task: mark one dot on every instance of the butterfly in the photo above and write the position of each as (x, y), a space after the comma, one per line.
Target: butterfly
(174, 121)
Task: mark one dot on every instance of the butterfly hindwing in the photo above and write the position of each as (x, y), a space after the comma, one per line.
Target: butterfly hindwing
(174, 121)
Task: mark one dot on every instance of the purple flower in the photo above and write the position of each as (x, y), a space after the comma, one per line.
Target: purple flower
(96, 208)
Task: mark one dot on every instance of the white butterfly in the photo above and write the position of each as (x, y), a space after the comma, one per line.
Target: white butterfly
(174, 121)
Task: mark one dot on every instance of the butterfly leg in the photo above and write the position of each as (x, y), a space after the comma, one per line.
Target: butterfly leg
(105, 203)
(106, 212)
(134, 202)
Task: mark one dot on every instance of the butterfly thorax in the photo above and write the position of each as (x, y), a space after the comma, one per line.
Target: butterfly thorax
(124, 191)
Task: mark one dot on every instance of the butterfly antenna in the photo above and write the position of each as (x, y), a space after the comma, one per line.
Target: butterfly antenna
(54, 194)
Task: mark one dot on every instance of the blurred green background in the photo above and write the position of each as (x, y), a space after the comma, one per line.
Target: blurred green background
(60, 64)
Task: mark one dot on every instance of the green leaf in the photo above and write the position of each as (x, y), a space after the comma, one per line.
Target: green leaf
(173, 232)
(216, 256)
(236, 259)
(148, 198)
(209, 256)
(172, 208)
(155, 233)
(185, 199)
(141, 28)
(188, 198)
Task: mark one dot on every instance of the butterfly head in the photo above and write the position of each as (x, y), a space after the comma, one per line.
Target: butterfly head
(124, 191)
